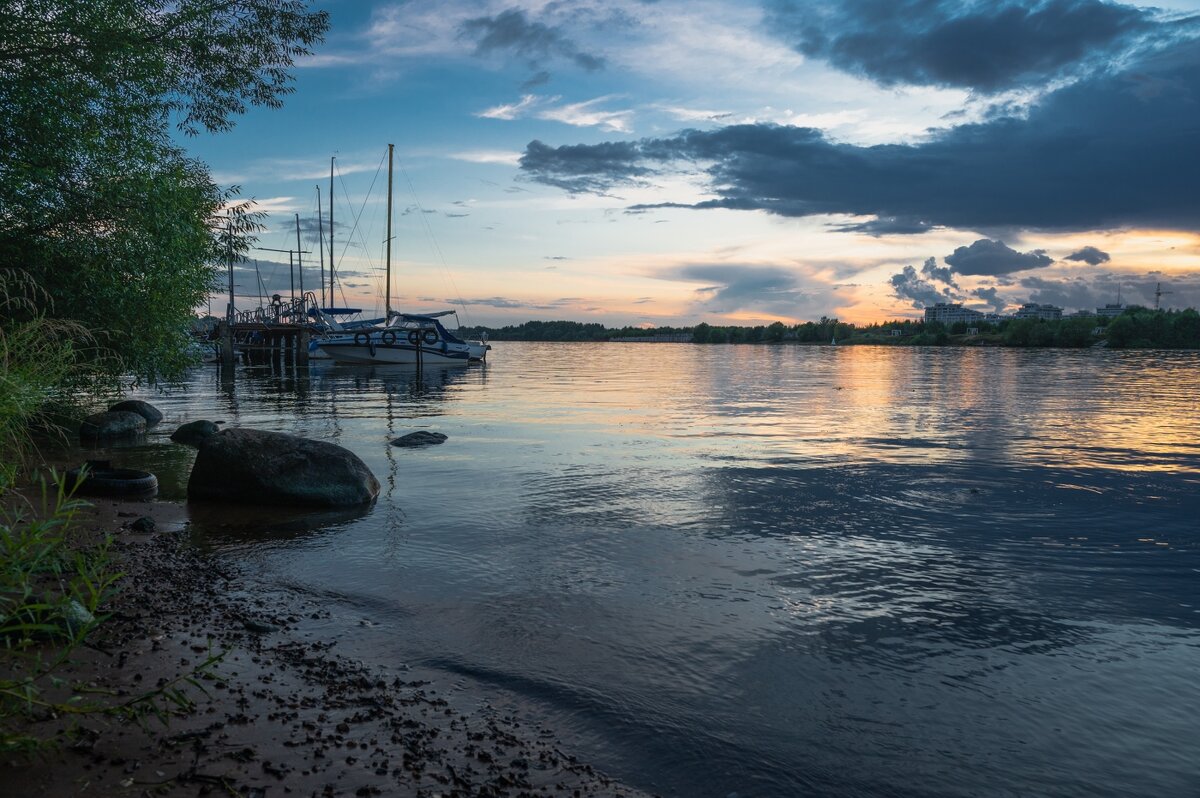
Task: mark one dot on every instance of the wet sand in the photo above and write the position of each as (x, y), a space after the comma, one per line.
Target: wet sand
(281, 713)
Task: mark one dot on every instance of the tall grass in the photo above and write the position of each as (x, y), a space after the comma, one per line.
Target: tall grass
(53, 585)
(47, 370)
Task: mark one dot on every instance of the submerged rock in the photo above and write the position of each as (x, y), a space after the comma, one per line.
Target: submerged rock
(144, 409)
(194, 433)
(419, 438)
(247, 465)
(113, 424)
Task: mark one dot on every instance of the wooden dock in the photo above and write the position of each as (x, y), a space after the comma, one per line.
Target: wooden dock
(278, 334)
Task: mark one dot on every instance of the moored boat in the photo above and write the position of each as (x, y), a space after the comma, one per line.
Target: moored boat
(408, 338)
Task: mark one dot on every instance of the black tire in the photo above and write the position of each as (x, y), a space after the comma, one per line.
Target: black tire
(414, 337)
(388, 337)
(362, 338)
(430, 337)
(111, 481)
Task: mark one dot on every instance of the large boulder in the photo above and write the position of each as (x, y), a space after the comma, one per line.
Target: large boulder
(246, 465)
(112, 425)
(195, 433)
(144, 409)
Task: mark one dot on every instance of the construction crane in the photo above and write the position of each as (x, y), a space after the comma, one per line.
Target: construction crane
(1159, 293)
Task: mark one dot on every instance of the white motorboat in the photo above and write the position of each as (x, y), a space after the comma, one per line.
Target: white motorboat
(407, 339)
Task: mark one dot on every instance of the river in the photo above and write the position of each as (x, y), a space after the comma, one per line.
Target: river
(765, 570)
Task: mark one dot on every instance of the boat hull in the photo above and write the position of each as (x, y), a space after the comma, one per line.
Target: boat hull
(385, 354)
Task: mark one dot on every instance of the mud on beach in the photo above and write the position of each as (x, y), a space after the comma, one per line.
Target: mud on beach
(281, 713)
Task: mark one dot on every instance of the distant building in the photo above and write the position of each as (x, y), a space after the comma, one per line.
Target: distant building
(972, 331)
(1111, 311)
(1080, 314)
(952, 313)
(895, 332)
(1032, 310)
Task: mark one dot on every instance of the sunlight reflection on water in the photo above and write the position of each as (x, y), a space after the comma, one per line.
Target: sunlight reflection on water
(850, 570)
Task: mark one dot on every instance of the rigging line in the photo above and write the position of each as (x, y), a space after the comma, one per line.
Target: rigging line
(363, 205)
(357, 218)
(433, 241)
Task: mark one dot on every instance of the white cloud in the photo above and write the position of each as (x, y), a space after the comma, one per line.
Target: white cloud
(585, 114)
(488, 156)
(514, 110)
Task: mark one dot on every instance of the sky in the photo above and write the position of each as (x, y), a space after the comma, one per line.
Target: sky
(668, 162)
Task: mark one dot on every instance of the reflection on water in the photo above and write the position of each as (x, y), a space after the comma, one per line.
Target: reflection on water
(769, 570)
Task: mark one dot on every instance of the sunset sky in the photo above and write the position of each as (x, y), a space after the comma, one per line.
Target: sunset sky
(675, 161)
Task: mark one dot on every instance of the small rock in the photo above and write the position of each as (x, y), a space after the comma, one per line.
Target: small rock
(258, 628)
(143, 524)
(419, 438)
(144, 409)
(113, 424)
(76, 616)
(194, 433)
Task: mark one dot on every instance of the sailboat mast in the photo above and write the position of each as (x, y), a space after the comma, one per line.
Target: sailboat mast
(331, 231)
(299, 257)
(387, 301)
(321, 243)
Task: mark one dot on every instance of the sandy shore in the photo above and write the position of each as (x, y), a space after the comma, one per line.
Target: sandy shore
(281, 713)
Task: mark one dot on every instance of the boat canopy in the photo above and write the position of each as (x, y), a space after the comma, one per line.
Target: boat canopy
(340, 311)
(428, 319)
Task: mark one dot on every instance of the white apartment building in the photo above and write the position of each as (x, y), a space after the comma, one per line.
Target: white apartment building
(1032, 310)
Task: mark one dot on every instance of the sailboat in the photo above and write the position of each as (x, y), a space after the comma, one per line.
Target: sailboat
(405, 337)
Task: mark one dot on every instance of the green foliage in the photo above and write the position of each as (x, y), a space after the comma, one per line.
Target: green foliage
(53, 591)
(1155, 329)
(44, 369)
(100, 207)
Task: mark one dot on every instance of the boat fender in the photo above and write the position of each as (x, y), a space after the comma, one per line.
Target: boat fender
(431, 337)
(371, 345)
(388, 337)
(361, 339)
(414, 337)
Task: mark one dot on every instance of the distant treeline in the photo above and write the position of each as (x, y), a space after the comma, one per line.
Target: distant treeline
(568, 331)
(1136, 328)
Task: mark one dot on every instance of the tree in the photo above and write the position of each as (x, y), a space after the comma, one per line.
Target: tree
(120, 228)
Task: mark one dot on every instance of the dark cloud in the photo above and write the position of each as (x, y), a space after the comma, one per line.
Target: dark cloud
(985, 46)
(511, 31)
(991, 296)
(909, 286)
(1115, 150)
(889, 226)
(931, 270)
(1089, 255)
(537, 79)
(995, 257)
(277, 278)
(770, 289)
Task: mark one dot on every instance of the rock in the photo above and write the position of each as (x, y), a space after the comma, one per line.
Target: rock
(113, 424)
(258, 628)
(76, 617)
(143, 524)
(247, 465)
(144, 409)
(194, 433)
(419, 438)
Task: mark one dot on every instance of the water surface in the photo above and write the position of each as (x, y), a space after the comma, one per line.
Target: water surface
(769, 570)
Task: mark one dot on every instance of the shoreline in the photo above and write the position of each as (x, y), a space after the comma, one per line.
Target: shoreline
(281, 713)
